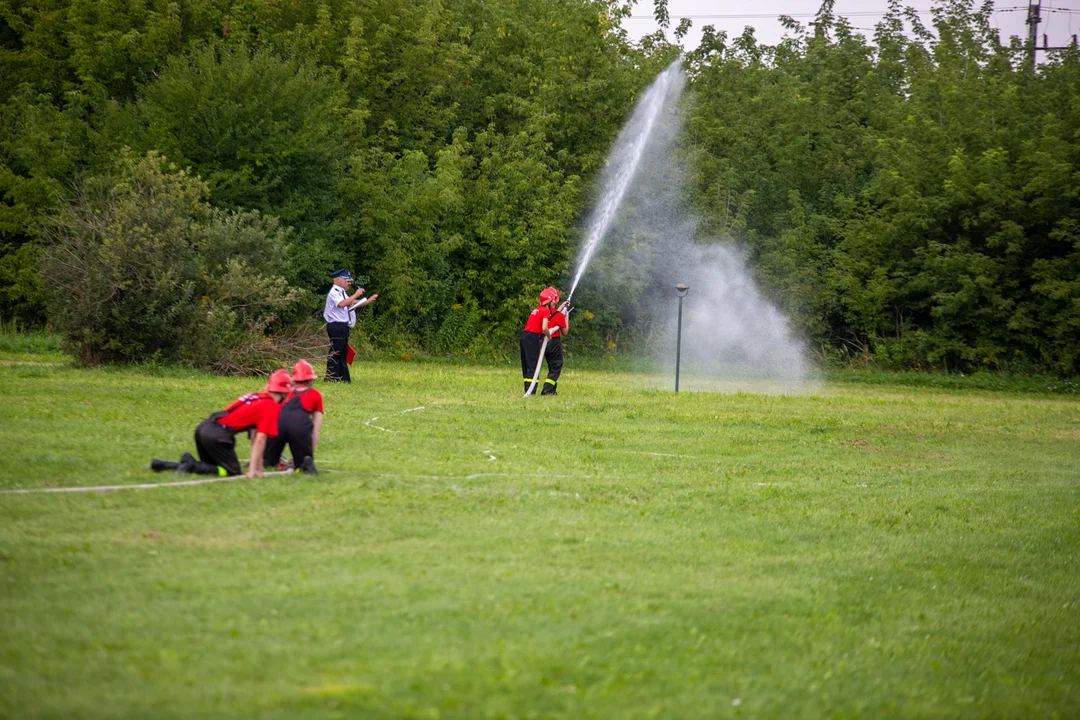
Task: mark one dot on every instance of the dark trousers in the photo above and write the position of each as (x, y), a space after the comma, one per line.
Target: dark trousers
(554, 357)
(294, 429)
(217, 447)
(530, 356)
(336, 367)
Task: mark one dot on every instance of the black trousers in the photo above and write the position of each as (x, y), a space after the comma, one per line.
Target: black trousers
(554, 357)
(217, 446)
(530, 355)
(530, 358)
(336, 367)
(294, 429)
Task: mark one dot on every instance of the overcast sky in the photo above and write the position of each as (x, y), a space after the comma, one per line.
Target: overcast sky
(1060, 18)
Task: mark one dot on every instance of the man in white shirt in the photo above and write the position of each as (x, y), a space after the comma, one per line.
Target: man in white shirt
(340, 315)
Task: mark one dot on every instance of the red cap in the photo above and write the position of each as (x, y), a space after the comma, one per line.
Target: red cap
(548, 295)
(302, 371)
(280, 382)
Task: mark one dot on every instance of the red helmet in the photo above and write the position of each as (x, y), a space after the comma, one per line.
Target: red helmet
(548, 295)
(303, 371)
(280, 382)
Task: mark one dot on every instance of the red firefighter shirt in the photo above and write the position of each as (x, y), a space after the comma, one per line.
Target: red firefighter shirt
(558, 320)
(535, 323)
(311, 400)
(257, 410)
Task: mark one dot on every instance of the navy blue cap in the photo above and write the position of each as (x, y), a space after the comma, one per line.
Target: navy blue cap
(343, 273)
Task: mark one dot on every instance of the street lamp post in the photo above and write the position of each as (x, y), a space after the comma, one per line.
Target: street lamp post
(681, 289)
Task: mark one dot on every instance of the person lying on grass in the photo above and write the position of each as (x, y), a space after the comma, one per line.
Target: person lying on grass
(215, 438)
(299, 424)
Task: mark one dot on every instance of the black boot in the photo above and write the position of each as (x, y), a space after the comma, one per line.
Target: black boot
(159, 465)
(308, 466)
(549, 389)
(187, 463)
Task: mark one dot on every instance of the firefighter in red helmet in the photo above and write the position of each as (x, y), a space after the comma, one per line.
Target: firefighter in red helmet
(300, 422)
(548, 321)
(215, 438)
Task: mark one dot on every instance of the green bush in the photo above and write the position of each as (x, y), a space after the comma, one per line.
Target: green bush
(141, 268)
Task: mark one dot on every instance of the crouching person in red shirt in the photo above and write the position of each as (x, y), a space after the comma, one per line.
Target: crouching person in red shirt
(215, 438)
(299, 424)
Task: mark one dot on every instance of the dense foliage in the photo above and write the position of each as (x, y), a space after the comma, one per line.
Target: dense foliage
(909, 198)
(915, 199)
(139, 253)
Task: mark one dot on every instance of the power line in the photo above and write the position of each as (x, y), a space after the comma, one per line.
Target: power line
(768, 16)
(1045, 9)
(858, 13)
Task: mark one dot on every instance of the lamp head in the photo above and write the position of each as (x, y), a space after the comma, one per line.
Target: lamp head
(681, 289)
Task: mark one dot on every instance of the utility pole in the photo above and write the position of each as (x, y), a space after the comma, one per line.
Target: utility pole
(1034, 17)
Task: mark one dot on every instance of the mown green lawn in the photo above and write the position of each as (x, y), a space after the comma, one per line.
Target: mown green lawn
(616, 551)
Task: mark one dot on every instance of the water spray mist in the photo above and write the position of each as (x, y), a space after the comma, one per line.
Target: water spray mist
(624, 159)
(643, 237)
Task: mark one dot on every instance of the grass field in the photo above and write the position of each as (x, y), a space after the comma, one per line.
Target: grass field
(869, 550)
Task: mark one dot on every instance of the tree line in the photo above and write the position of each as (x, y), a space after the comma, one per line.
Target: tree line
(907, 195)
(910, 197)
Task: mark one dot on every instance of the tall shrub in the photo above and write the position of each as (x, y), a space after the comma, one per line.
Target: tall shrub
(140, 267)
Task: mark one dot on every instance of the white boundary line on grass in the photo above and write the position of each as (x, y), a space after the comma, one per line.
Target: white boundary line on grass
(642, 452)
(141, 486)
(234, 478)
(476, 476)
(368, 423)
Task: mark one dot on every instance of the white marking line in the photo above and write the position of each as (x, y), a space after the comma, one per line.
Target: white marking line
(368, 423)
(476, 476)
(515, 491)
(488, 453)
(142, 486)
(642, 452)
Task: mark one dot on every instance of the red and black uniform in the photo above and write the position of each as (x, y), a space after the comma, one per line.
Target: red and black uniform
(215, 437)
(554, 353)
(532, 337)
(295, 427)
